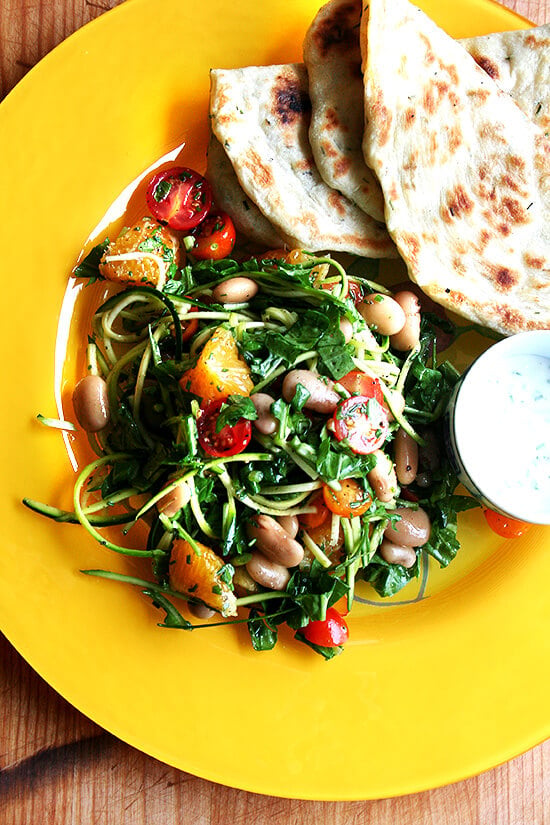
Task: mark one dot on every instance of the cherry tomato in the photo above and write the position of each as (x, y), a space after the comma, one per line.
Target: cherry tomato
(214, 237)
(231, 439)
(362, 422)
(319, 516)
(189, 327)
(351, 500)
(508, 528)
(330, 632)
(179, 197)
(358, 383)
(355, 292)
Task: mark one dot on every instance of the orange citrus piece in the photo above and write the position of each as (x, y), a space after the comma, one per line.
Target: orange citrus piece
(220, 370)
(196, 574)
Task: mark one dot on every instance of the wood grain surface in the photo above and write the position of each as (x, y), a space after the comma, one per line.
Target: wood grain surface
(58, 768)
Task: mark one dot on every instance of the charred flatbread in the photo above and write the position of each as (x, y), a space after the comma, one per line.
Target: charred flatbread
(230, 197)
(260, 115)
(332, 55)
(518, 61)
(464, 172)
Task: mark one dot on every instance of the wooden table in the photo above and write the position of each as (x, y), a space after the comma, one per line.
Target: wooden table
(57, 767)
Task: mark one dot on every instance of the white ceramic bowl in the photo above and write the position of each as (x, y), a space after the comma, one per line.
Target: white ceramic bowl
(498, 427)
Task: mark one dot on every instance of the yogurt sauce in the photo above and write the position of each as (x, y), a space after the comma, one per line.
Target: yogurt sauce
(502, 430)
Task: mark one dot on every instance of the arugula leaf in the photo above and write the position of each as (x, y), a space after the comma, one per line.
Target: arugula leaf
(233, 409)
(388, 579)
(173, 617)
(335, 462)
(89, 266)
(262, 635)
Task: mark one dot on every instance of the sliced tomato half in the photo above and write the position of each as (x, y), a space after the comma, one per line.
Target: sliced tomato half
(230, 440)
(362, 422)
(179, 197)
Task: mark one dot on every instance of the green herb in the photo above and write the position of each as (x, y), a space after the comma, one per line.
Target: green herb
(233, 409)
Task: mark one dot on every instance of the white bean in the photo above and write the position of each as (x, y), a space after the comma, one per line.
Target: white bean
(322, 398)
(91, 403)
(267, 572)
(200, 611)
(346, 328)
(397, 554)
(412, 529)
(172, 501)
(266, 423)
(406, 456)
(408, 337)
(382, 477)
(235, 290)
(382, 313)
(273, 541)
(290, 524)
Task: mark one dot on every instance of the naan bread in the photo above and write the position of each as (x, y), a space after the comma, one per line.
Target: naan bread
(230, 197)
(260, 115)
(518, 61)
(465, 173)
(332, 55)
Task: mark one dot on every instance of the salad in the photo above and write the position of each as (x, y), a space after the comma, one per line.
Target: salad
(272, 422)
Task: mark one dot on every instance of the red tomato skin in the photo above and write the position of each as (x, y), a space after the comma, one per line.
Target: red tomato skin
(189, 328)
(351, 422)
(358, 383)
(319, 516)
(331, 632)
(230, 440)
(355, 292)
(505, 526)
(214, 237)
(187, 201)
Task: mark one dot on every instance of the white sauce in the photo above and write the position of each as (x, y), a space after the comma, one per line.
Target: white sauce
(502, 426)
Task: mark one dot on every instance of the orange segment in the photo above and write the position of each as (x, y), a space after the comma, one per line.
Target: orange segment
(220, 370)
(197, 575)
(141, 254)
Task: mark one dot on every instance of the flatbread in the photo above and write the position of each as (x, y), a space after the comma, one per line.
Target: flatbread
(518, 61)
(260, 114)
(465, 173)
(230, 197)
(332, 55)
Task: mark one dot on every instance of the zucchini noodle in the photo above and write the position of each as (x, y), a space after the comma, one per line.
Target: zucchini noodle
(190, 453)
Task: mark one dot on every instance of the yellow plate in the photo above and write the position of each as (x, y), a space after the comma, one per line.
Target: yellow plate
(426, 693)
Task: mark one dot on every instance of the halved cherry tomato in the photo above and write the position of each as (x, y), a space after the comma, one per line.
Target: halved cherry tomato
(362, 422)
(355, 290)
(351, 500)
(179, 197)
(505, 526)
(214, 238)
(358, 383)
(330, 632)
(189, 327)
(231, 439)
(319, 516)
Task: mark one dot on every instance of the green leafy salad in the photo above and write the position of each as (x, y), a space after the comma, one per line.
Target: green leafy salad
(276, 439)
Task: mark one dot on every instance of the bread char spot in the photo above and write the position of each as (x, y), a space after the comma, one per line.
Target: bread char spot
(500, 276)
(487, 65)
(458, 204)
(290, 102)
(534, 262)
(339, 29)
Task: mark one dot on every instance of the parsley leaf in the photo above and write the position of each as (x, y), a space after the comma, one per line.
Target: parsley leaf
(233, 409)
